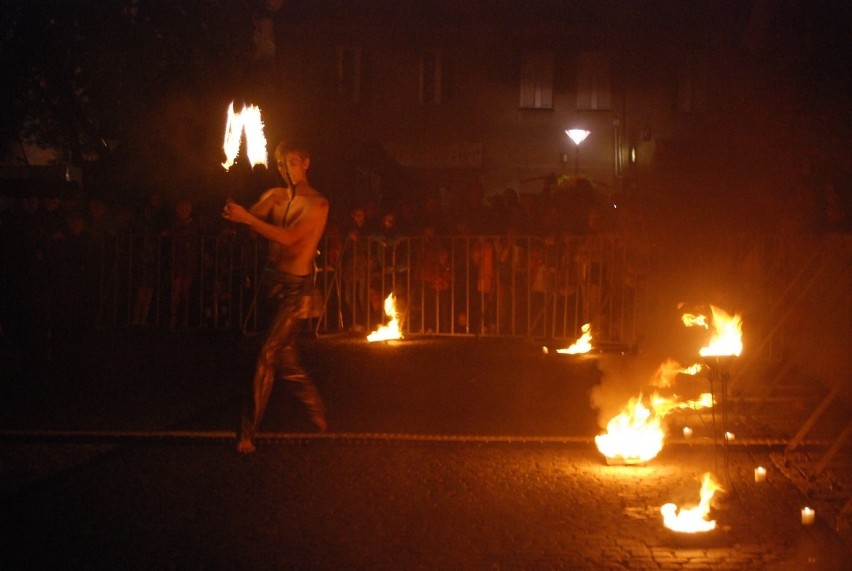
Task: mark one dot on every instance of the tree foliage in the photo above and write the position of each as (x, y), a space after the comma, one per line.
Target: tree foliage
(112, 85)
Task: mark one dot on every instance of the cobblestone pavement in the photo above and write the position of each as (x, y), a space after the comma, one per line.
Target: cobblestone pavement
(415, 473)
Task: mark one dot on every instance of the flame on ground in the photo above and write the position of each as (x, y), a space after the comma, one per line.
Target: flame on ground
(693, 520)
(636, 435)
(247, 121)
(392, 329)
(581, 345)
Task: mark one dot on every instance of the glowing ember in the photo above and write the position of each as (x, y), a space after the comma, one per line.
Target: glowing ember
(727, 338)
(693, 520)
(247, 121)
(392, 329)
(581, 345)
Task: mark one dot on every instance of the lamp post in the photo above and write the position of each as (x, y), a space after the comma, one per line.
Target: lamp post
(578, 136)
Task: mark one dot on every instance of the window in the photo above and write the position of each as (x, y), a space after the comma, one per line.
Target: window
(435, 78)
(349, 74)
(692, 86)
(593, 82)
(537, 80)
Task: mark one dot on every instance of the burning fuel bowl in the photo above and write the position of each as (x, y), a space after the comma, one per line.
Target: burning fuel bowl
(621, 461)
(717, 537)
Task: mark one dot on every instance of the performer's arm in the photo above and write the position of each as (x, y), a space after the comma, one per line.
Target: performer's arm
(304, 220)
(268, 200)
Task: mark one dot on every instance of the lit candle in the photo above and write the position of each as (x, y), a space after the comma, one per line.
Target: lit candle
(808, 516)
(760, 474)
(687, 432)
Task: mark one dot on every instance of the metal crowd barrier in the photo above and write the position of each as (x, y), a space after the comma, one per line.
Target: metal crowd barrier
(456, 285)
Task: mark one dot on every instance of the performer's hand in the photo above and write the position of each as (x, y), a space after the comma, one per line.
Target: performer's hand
(235, 213)
(281, 194)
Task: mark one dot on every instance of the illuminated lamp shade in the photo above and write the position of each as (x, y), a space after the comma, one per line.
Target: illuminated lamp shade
(577, 135)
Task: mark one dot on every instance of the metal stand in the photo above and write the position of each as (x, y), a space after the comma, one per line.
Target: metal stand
(719, 376)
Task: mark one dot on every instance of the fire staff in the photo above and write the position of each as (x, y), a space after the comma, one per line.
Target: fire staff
(293, 219)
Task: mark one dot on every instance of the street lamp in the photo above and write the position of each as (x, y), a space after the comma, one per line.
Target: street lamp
(578, 136)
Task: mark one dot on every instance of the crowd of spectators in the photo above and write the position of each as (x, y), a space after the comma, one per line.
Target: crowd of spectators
(52, 246)
(51, 250)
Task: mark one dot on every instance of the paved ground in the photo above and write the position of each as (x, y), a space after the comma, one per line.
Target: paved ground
(442, 454)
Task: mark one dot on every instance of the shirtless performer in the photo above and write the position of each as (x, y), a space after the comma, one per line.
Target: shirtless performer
(293, 223)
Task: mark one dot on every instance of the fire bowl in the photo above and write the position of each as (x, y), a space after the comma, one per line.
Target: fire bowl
(620, 461)
(702, 540)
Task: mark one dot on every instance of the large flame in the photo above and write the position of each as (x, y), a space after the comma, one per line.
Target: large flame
(392, 329)
(693, 520)
(636, 434)
(247, 121)
(581, 345)
(727, 336)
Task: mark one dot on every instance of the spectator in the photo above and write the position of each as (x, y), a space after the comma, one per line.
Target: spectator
(434, 276)
(184, 236)
(355, 266)
(151, 224)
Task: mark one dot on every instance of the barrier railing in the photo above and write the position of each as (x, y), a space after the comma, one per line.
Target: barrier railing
(460, 285)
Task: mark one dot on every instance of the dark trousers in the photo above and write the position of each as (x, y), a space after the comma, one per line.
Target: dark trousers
(279, 358)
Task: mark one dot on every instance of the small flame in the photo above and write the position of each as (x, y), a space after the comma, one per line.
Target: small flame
(392, 329)
(727, 337)
(669, 369)
(692, 370)
(581, 345)
(663, 406)
(693, 520)
(247, 121)
(691, 320)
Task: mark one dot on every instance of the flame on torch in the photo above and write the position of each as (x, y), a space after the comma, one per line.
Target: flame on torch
(727, 336)
(247, 121)
(693, 520)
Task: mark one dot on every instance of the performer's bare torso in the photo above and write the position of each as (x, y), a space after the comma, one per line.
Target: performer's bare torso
(297, 258)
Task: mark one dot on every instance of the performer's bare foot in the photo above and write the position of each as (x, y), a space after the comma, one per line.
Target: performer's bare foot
(245, 446)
